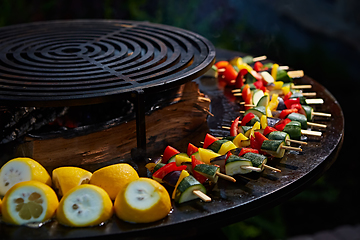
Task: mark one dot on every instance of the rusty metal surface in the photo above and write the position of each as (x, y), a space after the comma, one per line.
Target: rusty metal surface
(78, 62)
(231, 202)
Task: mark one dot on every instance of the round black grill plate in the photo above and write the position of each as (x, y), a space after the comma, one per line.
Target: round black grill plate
(77, 62)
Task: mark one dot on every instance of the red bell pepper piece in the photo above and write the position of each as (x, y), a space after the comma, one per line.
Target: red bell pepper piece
(259, 84)
(239, 82)
(168, 168)
(268, 130)
(256, 75)
(287, 96)
(299, 107)
(234, 130)
(230, 74)
(286, 112)
(246, 150)
(191, 149)
(247, 118)
(258, 66)
(246, 95)
(291, 101)
(168, 153)
(197, 176)
(260, 138)
(221, 64)
(254, 143)
(209, 139)
(281, 124)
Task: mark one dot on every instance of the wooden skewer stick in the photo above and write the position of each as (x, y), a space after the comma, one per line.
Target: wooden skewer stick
(309, 94)
(202, 195)
(271, 168)
(284, 67)
(311, 133)
(316, 125)
(296, 74)
(321, 114)
(225, 127)
(291, 148)
(255, 169)
(259, 58)
(308, 86)
(237, 94)
(205, 99)
(296, 141)
(226, 177)
(314, 101)
(236, 90)
(203, 109)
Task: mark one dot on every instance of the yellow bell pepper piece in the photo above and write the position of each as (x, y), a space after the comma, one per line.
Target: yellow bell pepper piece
(286, 89)
(254, 128)
(274, 70)
(236, 61)
(274, 102)
(206, 155)
(239, 139)
(268, 111)
(183, 175)
(263, 120)
(226, 146)
(179, 159)
(278, 85)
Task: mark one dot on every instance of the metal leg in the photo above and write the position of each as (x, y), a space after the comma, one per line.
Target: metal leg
(139, 154)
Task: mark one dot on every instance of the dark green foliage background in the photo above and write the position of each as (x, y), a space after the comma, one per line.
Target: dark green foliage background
(252, 27)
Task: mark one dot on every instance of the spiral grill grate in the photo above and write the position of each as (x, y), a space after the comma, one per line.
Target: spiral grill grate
(61, 63)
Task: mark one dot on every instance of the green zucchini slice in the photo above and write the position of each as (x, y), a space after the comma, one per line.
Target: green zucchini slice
(258, 111)
(293, 128)
(299, 118)
(257, 160)
(209, 171)
(279, 135)
(235, 163)
(273, 147)
(184, 191)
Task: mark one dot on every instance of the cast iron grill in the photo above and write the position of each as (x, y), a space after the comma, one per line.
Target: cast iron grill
(64, 63)
(82, 62)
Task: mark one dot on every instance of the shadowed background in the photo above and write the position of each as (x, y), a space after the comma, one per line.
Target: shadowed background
(320, 37)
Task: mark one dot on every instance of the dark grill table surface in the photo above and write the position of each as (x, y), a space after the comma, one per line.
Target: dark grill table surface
(231, 202)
